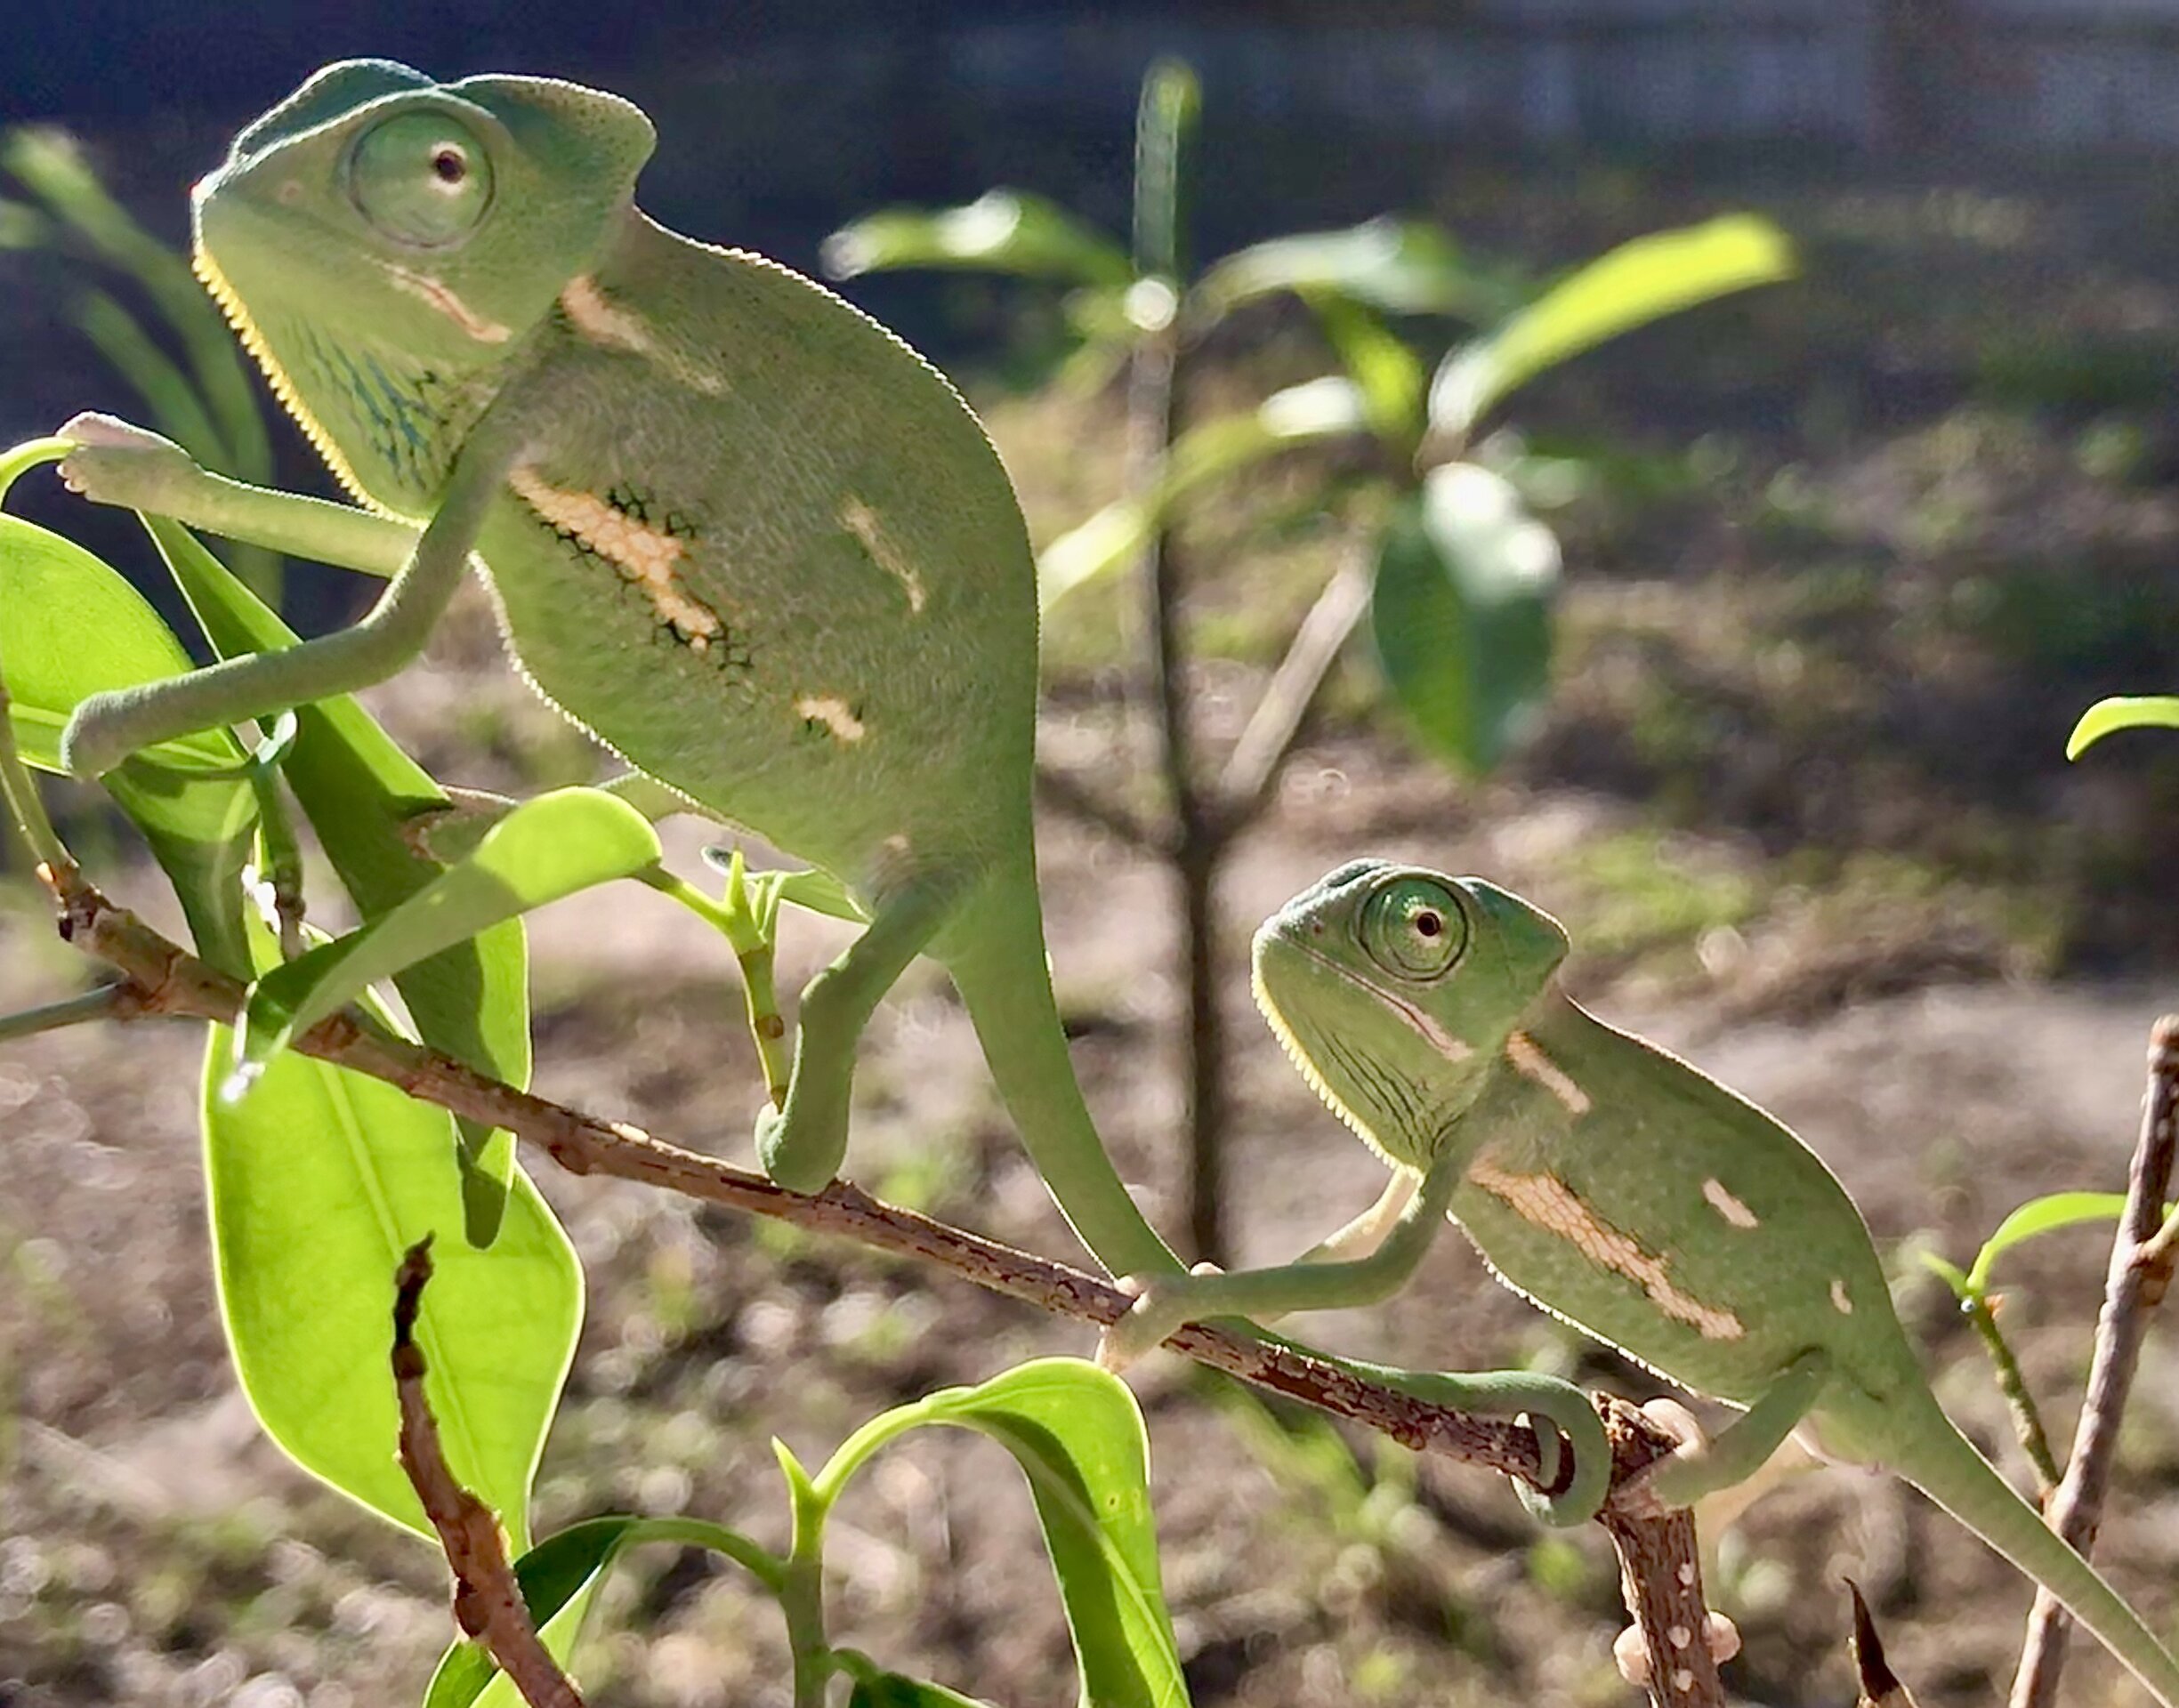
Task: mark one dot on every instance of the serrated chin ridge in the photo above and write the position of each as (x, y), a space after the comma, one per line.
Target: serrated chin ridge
(1299, 1056)
(208, 274)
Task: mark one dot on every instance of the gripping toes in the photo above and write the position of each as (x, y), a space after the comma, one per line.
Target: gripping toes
(1161, 1308)
(115, 463)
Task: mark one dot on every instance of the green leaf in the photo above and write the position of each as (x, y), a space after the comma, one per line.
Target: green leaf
(1078, 1435)
(547, 848)
(23, 227)
(1461, 611)
(318, 1183)
(70, 628)
(1001, 232)
(1638, 282)
(560, 1579)
(362, 795)
(2041, 1216)
(1168, 111)
(2135, 713)
(1388, 374)
(895, 1690)
(1395, 266)
(1315, 411)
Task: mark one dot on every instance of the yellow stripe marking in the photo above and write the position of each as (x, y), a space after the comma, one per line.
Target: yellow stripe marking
(1531, 1063)
(644, 555)
(1546, 1202)
(834, 712)
(1843, 1305)
(861, 521)
(611, 326)
(1719, 1199)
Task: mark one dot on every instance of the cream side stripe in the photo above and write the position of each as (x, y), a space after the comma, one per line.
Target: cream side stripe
(1546, 1202)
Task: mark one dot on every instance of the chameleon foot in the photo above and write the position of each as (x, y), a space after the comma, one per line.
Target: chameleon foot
(115, 463)
(788, 1157)
(1161, 1308)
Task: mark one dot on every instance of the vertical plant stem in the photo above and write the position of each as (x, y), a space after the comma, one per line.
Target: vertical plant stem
(2027, 1420)
(801, 1590)
(1164, 123)
(2135, 1282)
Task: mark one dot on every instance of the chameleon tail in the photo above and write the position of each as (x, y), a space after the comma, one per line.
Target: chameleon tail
(1939, 1462)
(997, 957)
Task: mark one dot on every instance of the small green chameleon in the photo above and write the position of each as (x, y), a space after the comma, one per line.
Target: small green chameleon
(1613, 1185)
(734, 527)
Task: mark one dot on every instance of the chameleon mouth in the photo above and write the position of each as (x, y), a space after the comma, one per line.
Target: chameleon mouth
(1296, 1052)
(208, 274)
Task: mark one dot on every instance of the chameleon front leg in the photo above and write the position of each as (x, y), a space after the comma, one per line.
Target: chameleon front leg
(801, 1143)
(106, 728)
(1739, 1450)
(1164, 1302)
(116, 464)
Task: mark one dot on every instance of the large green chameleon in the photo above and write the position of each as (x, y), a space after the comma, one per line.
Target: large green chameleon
(734, 527)
(1615, 1186)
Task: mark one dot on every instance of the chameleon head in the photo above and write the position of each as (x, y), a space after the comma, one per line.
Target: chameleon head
(1394, 988)
(378, 238)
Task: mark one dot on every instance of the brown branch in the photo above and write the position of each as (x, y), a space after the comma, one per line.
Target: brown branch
(2140, 1271)
(488, 1602)
(1655, 1546)
(1660, 1573)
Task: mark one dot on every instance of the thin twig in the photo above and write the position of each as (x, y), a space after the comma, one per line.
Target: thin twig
(167, 981)
(107, 1002)
(2135, 1282)
(1063, 793)
(487, 1601)
(1273, 727)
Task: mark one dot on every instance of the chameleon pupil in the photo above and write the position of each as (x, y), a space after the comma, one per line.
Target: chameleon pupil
(449, 165)
(1429, 924)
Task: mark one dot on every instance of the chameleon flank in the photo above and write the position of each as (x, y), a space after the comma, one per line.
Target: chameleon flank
(1615, 1186)
(734, 529)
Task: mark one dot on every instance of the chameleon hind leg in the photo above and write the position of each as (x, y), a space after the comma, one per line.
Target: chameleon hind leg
(1740, 1449)
(106, 728)
(801, 1142)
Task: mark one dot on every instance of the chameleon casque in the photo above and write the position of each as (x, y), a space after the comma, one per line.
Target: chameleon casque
(1613, 1185)
(734, 527)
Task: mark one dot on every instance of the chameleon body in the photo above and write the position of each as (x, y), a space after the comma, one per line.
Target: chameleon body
(734, 527)
(1615, 1186)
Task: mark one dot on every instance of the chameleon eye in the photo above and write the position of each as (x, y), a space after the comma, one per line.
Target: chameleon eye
(421, 179)
(1413, 928)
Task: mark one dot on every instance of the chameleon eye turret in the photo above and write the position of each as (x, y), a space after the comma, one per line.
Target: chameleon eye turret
(1414, 928)
(421, 179)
